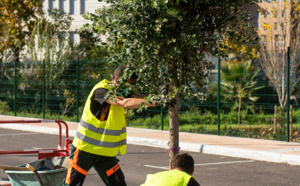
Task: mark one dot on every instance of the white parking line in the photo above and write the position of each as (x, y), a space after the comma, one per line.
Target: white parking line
(226, 162)
(203, 164)
(157, 167)
(36, 148)
(18, 134)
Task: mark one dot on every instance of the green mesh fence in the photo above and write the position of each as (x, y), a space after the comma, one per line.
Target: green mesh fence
(248, 103)
(48, 90)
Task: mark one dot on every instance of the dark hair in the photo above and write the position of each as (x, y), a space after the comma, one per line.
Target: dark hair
(119, 70)
(184, 162)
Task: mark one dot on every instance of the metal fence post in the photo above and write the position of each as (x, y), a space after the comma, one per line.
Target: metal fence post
(162, 117)
(162, 107)
(43, 89)
(77, 89)
(288, 96)
(15, 89)
(218, 98)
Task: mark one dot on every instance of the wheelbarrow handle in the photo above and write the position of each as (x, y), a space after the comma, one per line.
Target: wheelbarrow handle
(13, 168)
(28, 166)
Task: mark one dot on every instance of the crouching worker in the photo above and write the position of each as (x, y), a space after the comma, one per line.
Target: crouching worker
(182, 168)
(101, 135)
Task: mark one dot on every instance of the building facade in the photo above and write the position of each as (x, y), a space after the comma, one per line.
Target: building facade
(273, 19)
(76, 8)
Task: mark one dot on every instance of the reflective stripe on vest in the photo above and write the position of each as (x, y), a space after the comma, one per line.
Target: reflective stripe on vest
(100, 143)
(106, 138)
(102, 130)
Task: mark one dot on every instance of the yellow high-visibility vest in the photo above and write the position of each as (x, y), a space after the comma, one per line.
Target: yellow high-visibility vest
(106, 138)
(170, 178)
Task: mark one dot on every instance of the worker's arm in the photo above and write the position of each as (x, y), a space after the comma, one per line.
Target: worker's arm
(131, 103)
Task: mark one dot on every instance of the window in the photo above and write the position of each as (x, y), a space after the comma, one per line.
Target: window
(276, 13)
(258, 14)
(82, 6)
(248, 14)
(61, 6)
(266, 14)
(283, 12)
(72, 7)
(72, 36)
(258, 26)
(50, 4)
(62, 39)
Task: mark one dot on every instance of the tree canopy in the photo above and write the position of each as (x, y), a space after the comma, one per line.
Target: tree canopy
(17, 19)
(151, 34)
(166, 43)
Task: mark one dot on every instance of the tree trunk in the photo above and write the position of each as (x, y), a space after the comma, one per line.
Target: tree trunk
(282, 118)
(291, 122)
(275, 118)
(174, 130)
(173, 112)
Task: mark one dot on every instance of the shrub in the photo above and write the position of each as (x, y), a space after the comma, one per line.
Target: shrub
(4, 108)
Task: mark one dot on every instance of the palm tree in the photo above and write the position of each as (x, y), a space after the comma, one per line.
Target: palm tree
(238, 83)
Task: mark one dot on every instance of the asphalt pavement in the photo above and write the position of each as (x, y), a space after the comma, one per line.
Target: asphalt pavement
(210, 170)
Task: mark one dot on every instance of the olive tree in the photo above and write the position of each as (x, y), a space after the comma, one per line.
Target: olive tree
(165, 42)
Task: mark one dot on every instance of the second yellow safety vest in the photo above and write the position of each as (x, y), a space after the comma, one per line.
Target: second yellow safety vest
(169, 178)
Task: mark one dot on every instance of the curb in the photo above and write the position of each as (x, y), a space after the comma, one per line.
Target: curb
(223, 151)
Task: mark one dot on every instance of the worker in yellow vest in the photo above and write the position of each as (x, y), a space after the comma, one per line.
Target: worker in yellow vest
(101, 135)
(182, 168)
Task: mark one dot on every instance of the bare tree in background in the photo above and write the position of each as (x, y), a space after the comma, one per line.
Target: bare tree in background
(280, 30)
